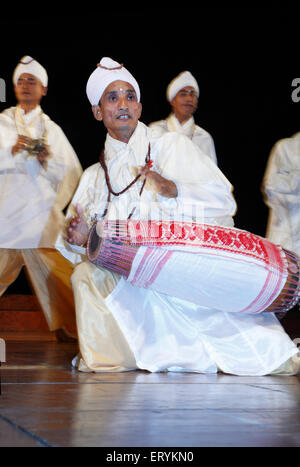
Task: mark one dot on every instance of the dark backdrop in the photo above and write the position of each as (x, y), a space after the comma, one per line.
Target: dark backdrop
(244, 60)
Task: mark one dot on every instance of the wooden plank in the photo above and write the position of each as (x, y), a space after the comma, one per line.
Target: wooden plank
(19, 302)
(18, 320)
(21, 313)
(44, 398)
(28, 336)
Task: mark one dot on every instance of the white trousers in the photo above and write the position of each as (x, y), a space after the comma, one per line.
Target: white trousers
(49, 274)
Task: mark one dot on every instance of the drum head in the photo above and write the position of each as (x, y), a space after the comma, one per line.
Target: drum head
(94, 243)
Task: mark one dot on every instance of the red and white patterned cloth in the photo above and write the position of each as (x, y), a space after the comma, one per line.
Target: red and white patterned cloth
(217, 267)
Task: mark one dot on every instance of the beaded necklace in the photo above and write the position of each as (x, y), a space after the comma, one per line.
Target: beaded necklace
(108, 184)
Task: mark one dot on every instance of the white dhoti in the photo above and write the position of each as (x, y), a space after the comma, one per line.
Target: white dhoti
(122, 327)
(49, 274)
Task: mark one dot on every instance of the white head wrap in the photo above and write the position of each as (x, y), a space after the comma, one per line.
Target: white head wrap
(181, 81)
(29, 65)
(107, 72)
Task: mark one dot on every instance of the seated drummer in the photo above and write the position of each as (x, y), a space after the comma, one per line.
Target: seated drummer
(122, 327)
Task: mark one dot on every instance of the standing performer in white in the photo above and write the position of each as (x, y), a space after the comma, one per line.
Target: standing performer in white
(39, 173)
(125, 327)
(183, 94)
(281, 187)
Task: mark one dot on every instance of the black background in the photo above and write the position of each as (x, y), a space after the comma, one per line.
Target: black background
(244, 60)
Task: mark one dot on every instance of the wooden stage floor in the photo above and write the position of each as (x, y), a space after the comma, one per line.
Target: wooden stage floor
(44, 402)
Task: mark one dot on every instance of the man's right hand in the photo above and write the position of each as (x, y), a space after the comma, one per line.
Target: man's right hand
(21, 145)
(77, 229)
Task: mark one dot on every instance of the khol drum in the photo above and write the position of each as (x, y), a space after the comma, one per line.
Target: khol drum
(216, 267)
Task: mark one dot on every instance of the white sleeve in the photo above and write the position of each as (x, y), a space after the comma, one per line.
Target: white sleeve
(72, 253)
(212, 150)
(200, 183)
(281, 187)
(7, 160)
(63, 166)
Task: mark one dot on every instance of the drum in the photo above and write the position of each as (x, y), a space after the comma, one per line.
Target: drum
(121, 241)
(113, 252)
(289, 295)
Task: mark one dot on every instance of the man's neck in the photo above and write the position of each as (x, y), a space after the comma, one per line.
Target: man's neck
(182, 120)
(123, 136)
(28, 107)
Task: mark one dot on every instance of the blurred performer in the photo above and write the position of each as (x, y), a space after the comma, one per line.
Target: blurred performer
(39, 172)
(281, 187)
(183, 94)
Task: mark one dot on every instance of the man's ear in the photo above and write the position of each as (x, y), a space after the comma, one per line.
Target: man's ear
(140, 109)
(44, 91)
(96, 109)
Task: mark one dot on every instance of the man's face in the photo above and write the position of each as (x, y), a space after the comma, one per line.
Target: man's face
(29, 89)
(119, 110)
(185, 103)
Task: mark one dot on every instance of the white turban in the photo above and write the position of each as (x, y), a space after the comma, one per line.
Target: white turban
(107, 72)
(181, 81)
(29, 65)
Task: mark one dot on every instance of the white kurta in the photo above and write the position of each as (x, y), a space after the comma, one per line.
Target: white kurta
(31, 203)
(123, 327)
(281, 186)
(197, 134)
(31, 198)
